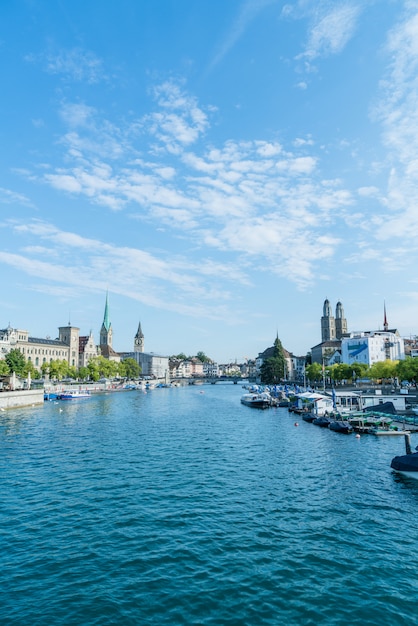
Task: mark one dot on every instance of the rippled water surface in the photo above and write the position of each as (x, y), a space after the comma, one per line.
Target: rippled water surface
(182, 506)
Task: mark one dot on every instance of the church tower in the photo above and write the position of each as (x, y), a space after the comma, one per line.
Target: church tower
(70, 336)
(139, 340)
(327, 323)
(106, 332)
(340, 321)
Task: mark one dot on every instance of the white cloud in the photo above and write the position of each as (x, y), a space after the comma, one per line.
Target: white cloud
(75, 64)
(257, 192)
(331, 28)
(397, 111)
(174, 284)
(7, 196)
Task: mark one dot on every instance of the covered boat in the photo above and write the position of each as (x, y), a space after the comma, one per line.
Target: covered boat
(308, 417)
(340, 426)
(407, 464)
(322, 421)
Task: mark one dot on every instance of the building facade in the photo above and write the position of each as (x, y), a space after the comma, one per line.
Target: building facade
(371, 347)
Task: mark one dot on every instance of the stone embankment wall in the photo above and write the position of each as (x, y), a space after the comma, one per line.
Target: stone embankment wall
(17, 399)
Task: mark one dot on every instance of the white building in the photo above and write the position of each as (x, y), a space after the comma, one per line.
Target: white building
(210, 369)
(151, 364)
(369, 348)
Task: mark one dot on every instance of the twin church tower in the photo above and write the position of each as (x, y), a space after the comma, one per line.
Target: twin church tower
(333, 327)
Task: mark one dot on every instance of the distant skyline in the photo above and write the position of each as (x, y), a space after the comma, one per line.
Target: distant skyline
(220, 168)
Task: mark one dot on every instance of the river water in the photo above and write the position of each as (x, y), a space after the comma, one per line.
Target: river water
(182, 506)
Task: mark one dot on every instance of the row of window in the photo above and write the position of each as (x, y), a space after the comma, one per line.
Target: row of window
(62, 353)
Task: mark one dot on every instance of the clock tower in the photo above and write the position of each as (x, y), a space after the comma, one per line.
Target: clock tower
(139, 340)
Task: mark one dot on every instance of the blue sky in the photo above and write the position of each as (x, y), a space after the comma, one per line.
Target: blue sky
(219, 167)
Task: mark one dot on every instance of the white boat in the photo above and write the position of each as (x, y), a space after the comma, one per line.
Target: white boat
(74, 395)
(258, 400)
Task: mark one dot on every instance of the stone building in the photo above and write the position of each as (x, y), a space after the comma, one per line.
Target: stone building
(333, 329)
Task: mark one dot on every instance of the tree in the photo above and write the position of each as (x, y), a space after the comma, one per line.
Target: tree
(16, 361)
(58, 369)
(100, 367)
(314, 372)
(408, 369)
(4, 368)
(30, 369)
(273, 369)
(131, 368)
(202, 357)
(83, 373)
(180, 357)
(383, 369)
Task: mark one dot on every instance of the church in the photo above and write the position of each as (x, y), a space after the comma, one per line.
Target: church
(333, 330)
(338, 345)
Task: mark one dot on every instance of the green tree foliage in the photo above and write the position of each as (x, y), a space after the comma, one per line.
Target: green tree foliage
(31, 369)
(273, 369)
(99, 367)
(314, 372)
(383, 369)
(16, 362)
(407, 369)
(180, 357)
(202, 357)
(130, 368)
(83, 373)
(4, 368)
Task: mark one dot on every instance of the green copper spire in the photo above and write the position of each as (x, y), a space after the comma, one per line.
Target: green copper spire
(106, 322)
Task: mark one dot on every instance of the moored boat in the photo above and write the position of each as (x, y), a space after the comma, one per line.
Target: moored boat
(74, 395)
(406, 464)
(261, 400)
(322, 421)
(340, 426)
(308, 417)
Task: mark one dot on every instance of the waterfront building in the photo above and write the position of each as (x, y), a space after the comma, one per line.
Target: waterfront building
(8, 340)
(87, 350)
(210, 369)
(371, 347)
(69, 346)
(179, 368)
(323, 352)
(153, 365)
(39, 350)
(185, 368)
(196, 367)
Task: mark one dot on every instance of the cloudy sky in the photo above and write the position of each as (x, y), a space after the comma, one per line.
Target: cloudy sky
(220, 168)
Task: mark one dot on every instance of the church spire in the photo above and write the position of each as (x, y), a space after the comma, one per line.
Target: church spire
(385, 320)
(139, 340)
(106, 333)
(106, 322)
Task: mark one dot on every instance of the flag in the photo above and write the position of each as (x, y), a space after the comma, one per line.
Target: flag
(334, 399)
